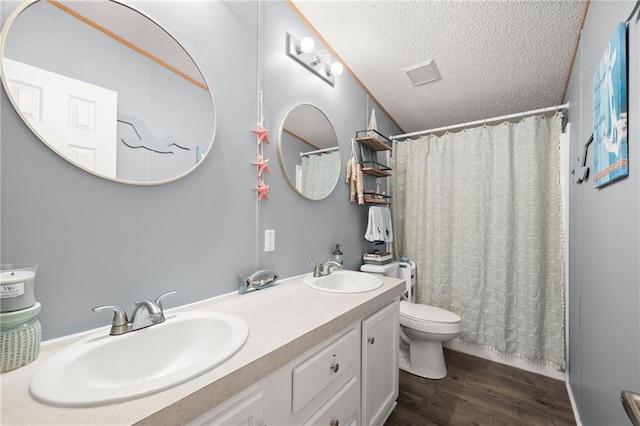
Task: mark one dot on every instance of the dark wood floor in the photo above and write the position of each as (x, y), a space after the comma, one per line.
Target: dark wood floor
(481, 392)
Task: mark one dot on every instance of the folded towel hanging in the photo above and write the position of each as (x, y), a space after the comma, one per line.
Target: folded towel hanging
(388, 229)
(379, 228)
(375, 227)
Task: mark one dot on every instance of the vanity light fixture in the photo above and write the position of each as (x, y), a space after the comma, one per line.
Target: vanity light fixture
(319, 63)
(306, 45)
(336, 69)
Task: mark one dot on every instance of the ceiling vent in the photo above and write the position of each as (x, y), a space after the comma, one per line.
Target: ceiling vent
(423, 73)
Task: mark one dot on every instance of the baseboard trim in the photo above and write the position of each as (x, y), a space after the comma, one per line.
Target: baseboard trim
(574, 406)
(387, 413)
(480, 352)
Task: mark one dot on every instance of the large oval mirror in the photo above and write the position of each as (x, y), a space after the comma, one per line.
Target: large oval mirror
(108, 89)
(308, 152)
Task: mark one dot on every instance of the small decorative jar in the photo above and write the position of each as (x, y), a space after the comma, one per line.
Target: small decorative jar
(20, 337)
(16, 286)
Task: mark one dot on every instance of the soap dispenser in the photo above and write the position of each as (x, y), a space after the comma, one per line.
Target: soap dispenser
(336, 254)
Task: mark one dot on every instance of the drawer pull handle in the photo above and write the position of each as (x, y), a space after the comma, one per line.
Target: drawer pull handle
(335, 367)
(334, 422)
(371, 340)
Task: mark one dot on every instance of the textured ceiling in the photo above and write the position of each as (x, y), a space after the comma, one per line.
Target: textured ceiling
(308, 124)
(134, 29)
(495, 57)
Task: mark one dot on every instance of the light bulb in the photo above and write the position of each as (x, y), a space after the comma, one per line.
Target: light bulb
(336, 68)
(306, 45)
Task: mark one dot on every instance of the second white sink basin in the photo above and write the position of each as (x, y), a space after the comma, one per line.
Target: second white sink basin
(102, 369)
(344, 282)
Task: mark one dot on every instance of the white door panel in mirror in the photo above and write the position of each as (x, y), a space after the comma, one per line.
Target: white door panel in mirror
(76, 118)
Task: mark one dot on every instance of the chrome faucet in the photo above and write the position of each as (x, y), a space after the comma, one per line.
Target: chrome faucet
(145, 314)
(326, 268)
(331, 265)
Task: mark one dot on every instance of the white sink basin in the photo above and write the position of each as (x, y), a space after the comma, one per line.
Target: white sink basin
(101, 369)
(344, 282)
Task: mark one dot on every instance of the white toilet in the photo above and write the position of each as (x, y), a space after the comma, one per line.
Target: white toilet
(423, 328)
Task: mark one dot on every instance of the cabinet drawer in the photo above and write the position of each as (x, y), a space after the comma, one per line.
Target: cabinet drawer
(331, 367)
(341, 409)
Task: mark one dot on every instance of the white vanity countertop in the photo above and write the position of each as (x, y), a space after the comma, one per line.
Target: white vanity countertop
(284, 321)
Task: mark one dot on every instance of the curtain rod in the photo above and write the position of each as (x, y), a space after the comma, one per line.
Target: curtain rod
(487, 120)
(319, 151)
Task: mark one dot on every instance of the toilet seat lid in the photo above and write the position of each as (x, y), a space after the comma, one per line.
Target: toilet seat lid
(427, 313)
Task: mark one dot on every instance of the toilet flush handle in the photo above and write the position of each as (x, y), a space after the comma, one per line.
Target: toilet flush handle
(371, 340)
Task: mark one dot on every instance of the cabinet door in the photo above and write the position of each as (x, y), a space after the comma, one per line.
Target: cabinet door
(380, 364)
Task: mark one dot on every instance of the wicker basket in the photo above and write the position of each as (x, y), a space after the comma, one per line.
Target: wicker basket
(20, 337)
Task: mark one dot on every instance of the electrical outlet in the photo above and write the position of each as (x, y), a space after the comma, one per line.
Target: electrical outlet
(269, 240)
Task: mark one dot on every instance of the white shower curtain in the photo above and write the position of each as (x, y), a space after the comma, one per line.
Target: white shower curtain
(480, 211)
(320, 173)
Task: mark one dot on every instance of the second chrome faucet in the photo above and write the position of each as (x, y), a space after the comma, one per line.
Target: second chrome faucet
(145, 314)
(322, 269)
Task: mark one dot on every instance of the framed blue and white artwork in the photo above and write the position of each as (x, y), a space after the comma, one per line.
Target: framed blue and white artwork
(610, 161)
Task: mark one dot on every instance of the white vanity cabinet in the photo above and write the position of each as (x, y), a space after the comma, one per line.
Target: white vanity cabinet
(320, 386)
(350, 376)
(333, 370)
(302, 363)
(244, 409)
(380, 370)
(341, 409)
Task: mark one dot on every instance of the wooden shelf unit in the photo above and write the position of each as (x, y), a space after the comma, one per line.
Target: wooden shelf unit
(372, 171)
(372, 141)
(375, 198)
(377, 201)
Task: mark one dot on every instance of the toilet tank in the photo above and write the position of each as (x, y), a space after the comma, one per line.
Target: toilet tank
(388, 270)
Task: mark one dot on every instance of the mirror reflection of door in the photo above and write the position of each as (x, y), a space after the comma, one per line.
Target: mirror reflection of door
(109, 45)
(78, 119)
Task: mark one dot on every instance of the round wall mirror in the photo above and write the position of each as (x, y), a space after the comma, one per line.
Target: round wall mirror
(108, 89)
(308, 152)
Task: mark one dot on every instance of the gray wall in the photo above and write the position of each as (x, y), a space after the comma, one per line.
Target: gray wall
(604, 303)
(99, 242)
